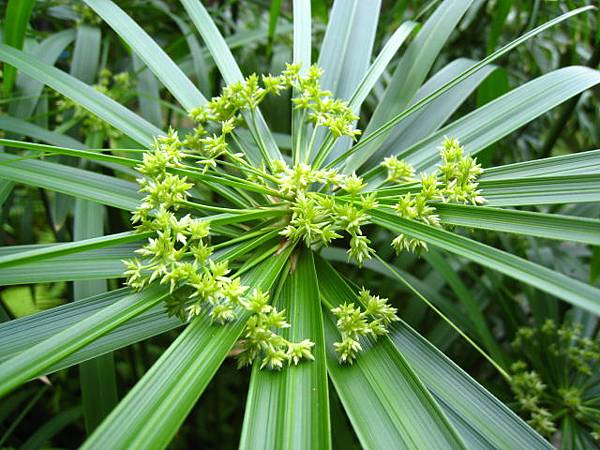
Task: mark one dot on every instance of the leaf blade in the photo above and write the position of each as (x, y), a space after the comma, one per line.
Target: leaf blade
(297, 396)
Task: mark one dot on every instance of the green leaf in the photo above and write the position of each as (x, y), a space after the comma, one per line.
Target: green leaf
(470, 304)
(35, 360)
(345, 57)
(97, 376)
(153, 410)
(19, 126)
(384, 129)
(274, 13)
(17, 19)
(107, 109)
(150, 52)
(18, 335)
(148, 93)
(77, 182)
(380, 64)
(557, 284)
(550, 226)
(429, 118)
(290, 408)
(47, 51)
(86, 54)
(347, 46)
(197, 53)
(500, 117)
(572, 164)
(45, 252)
(301, 55)
(387, 404)
(483, 420)
(552, 190)
(104, 263)
(415, 65)
(302, 34)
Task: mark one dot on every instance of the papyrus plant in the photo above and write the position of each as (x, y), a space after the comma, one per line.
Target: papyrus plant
(231, 228)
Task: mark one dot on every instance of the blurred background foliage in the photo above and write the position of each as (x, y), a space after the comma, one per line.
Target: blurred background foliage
(49, 412)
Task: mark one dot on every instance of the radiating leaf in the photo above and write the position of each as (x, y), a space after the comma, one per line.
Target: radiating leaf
(229, 69)
(35, 360)
(150, 52)
(71, 180)
(556, 284)
(551, 226)
(500, 117)
(97, 376)
(483, 421)
(415, 65)
(153, 410)
(107, 109)
(385, 401)
(290, 408)
(572, 164)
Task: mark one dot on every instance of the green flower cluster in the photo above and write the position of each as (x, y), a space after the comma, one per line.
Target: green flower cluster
(260, 342)
(316, 217)
(354, 322)
(546, 396)
(323, 205)
(529, 389)
(323, 110)
(455, 180)
(178, 254)
(118, 87)
(86, 14)
(217, 120)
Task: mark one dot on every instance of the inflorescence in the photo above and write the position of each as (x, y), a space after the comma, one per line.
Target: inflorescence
(116, 86)
(547, 396)
(322, 204)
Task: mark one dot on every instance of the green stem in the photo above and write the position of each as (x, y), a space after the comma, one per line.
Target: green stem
(311, 143)
(446, 319)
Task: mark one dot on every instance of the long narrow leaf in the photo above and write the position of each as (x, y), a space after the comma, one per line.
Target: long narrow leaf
(154, 409)
(107, 109)
(557, 284)
(33, 361)
(290, 408)
(71, 180)
(484, 421)
(387, 404)
(17, 19)
(550, 226)
(573, 164)
(150, 52)
(228, 68)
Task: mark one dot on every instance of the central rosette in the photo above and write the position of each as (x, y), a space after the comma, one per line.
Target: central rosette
(211, 179)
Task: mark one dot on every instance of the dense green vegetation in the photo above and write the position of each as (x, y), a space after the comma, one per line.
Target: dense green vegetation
(304, 224)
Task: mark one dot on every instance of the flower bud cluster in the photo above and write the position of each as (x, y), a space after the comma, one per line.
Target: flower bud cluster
(178, 247)
(316, 218)
(117, 87)
(224, 113)
(260, 342)
(541, 399)
(178, 254)
(323, 109)
(354, 322)
(455, 180)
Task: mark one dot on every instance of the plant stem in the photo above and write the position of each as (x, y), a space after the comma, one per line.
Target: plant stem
(446, 319)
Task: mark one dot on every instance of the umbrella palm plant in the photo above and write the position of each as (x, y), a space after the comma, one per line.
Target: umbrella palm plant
(230, 231)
